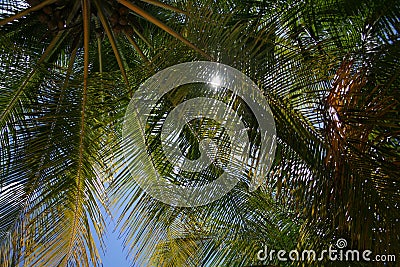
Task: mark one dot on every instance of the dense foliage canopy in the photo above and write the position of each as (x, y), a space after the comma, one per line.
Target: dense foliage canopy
(329, 70)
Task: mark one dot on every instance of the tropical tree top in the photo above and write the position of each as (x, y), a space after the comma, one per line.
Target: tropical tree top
(329, 70)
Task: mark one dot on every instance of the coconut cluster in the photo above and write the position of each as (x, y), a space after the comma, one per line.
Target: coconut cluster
(56, 14)
(121, 19)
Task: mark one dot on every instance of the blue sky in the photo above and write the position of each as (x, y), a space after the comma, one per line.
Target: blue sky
(114, 256)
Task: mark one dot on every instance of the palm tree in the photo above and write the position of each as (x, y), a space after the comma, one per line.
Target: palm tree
(320, 67)
(328, 70)
(65, 82)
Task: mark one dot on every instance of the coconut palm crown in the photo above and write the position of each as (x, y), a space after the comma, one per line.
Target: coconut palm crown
(328, 69)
